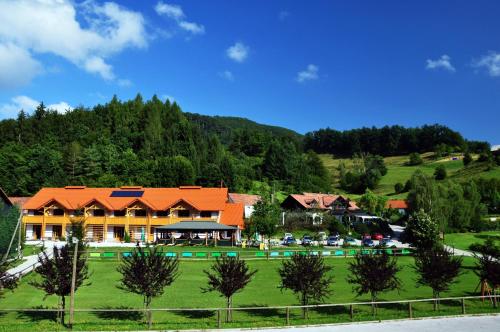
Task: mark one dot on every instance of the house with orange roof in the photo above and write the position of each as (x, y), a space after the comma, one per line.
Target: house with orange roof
(110, 213)
(247, 200)
(398, 204)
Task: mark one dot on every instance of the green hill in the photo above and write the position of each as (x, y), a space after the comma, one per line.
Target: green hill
(398, 171)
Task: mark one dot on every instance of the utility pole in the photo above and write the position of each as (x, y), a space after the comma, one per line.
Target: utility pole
(73, 282)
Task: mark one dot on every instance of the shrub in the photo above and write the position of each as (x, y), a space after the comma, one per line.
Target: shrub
(467, 159)
(399, 188)
(414, 159)
(440, 173)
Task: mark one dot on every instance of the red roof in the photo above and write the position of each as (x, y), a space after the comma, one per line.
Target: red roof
(397, 204)
(320, 201)
(245, 199)
(19, 201)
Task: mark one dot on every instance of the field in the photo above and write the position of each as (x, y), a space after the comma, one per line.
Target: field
(464, 240)
(102, 292)
(397, 171)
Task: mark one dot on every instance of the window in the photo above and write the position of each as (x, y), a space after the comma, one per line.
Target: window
(58, 212)
(38, 213)
(140, 213)
(98, 213)
(183, 213)
(119, 213)
(206, 214)
(165, 213)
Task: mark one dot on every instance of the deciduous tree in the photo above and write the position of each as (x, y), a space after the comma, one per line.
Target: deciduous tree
(308, 277)
(228, 276)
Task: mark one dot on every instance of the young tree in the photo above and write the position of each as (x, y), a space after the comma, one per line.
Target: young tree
(7, 281)
(228, 276)
(421, 231)
(57, 272)
(437, 268)
(467, 159)
(308, 277)
(147, 273)
(399, 188)
(373, 274)
(440, 172)
(487, 265)
(372, 203)
(265, 217)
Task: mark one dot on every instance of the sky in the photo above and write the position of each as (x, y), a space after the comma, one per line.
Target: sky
(303, 65)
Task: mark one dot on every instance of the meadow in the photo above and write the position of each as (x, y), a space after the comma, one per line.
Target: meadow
(102, 292)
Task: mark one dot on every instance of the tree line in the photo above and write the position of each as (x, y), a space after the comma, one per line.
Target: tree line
(390, 141)
(150, 143)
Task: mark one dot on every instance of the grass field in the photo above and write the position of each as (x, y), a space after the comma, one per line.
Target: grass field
(464, 240)
(397, 171)
(102, 292)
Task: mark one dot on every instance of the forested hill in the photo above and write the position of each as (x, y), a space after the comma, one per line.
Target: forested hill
(390, 141)
(151, 143)
(225, 126)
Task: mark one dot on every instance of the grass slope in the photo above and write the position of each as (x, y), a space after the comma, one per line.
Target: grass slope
(186, 293)
(397, 171)
(464, 240)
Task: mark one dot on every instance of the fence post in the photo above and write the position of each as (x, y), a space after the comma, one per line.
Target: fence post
(351, 311)
(410, 311)
(287, 316)
(219, 318)
(463, 306)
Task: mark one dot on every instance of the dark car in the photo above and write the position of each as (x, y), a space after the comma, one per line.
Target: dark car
(289, 240)
(332, 241)
(306, 240)
(368, 242)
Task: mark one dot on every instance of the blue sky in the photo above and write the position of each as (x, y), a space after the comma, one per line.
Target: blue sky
(298, 64)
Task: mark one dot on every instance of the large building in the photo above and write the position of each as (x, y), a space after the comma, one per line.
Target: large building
(109, 213)
(247, 200)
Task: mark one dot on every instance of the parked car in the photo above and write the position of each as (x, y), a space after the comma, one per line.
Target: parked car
(368, 242)
(333, 241)
(288, 241)
(377, 236)
(366, 236)
(387, 242)
(307, 240)
(350, 241)
(287, 235)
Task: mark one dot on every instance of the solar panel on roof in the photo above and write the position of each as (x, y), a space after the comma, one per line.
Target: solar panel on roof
(127, 193)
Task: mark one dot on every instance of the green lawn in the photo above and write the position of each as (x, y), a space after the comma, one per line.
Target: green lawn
(464, 240)
(186, 292)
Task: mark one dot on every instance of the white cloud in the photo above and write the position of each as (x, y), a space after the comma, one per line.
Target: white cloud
(61, 107)
(176, 13)
(172, 11)
(444, 62)
(490, 62)
(311, 73)
(17, 67)
(28, 104)
(238, 52)
(194, 28)
(51, 27)
(283, 15)
(226, 74)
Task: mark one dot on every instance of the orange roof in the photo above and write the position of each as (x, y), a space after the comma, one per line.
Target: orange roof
(19, 201)
(244, 199)
(233, 215)
(397, 204)
(72, 198)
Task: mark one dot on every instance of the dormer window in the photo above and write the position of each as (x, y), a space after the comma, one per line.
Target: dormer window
(58, 212)
(98, 213)
(119, 213)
